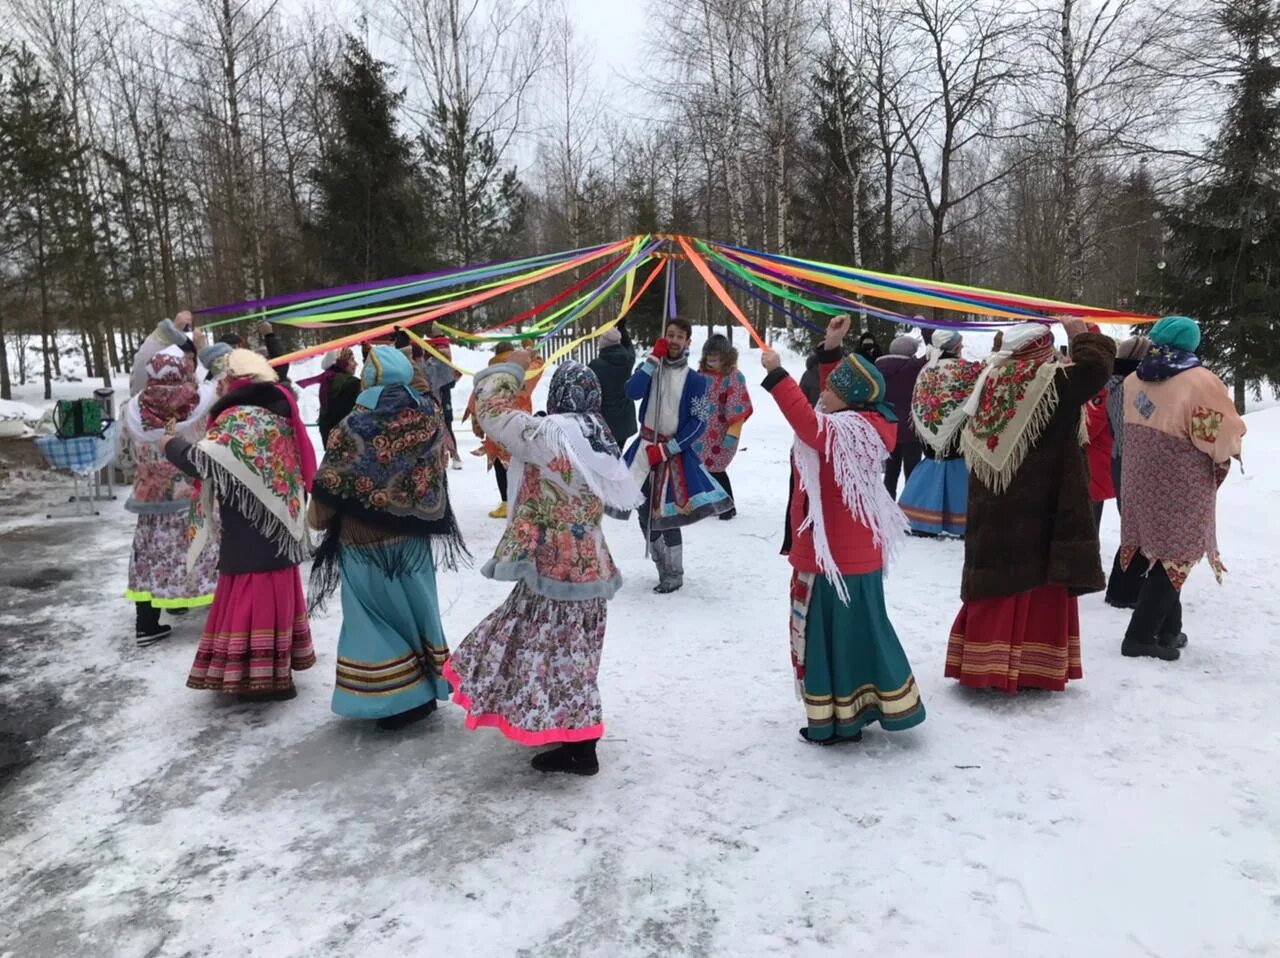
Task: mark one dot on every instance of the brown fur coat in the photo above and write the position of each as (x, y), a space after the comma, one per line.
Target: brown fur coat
(1040, 531)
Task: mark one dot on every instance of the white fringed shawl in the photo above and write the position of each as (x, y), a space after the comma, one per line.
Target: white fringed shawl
(857, 455)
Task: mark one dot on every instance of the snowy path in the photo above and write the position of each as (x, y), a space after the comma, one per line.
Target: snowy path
(1136, 814)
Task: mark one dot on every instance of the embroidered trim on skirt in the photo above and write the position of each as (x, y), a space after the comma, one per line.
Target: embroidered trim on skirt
(256, 635)
(935, 498)
(850, 667)
(1026, 641)
(158, 564)
(392, 648)
(530, 669)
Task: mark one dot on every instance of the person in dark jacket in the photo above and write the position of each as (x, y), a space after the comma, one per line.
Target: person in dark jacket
(1123, 585)
(900, 369)
(1031, 546)
(274, 347)
(613, 367)
(868, 348)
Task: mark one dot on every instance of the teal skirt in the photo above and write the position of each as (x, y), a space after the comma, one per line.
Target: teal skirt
(854, 670)
(392, 648)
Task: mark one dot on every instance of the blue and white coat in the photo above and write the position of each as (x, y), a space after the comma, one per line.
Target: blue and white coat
(675, 416)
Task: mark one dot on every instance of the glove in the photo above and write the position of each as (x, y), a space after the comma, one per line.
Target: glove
(656, 454)
(660, 349)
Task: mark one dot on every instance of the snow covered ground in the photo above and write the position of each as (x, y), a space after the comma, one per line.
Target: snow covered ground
(1134, 814)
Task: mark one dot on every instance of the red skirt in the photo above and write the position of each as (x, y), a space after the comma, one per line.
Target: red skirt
(1025, 641)
(257, 633)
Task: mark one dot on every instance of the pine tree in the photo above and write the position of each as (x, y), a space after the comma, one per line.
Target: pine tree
(477, 205)
(1224, 254)
(372, 218)
(38, 162)
(837, 209)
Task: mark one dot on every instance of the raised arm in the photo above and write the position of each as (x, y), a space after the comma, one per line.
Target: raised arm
(1093, 356)
(498, 390)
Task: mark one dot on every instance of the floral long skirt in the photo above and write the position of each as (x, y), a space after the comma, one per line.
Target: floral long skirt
(158, 565)
(1026, 641)
(256, 636)
(529, 669)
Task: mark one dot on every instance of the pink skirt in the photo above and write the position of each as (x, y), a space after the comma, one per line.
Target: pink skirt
(257, 633)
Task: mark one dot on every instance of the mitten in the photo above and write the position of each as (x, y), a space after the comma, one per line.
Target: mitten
(660, 349)
(656, 454)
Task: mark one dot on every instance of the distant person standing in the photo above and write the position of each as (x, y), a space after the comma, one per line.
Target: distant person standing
(613, 367)
(900, 369)
(730, 408)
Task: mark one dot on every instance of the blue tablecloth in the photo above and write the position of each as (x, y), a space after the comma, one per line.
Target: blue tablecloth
(83, 456)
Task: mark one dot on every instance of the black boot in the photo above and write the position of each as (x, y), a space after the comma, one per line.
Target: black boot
(148, 630)
(1159, 611)
(575, 758)
(1178, 641)
(393, 722)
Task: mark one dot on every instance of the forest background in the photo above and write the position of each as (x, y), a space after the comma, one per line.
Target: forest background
(163, 155)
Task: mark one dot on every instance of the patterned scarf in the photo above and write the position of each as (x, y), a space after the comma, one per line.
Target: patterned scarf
(575, 425)
(1165, 362)
(385, 469)
(937, 402)
(857, 455)
(1011, 405)
(251, 458)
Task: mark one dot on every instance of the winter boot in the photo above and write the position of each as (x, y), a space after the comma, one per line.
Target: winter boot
(270, 695)
(1152, 648)
(574, 758)
(500, 512)
(671, 568)
(1178, 641)
(148, 630)
(393, 722)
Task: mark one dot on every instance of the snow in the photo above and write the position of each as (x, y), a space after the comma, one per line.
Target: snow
(1134, 814)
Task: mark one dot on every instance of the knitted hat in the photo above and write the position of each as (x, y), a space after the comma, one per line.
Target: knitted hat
(246, 364)
(904, 346)
(857, 381)
(504, 347)
(946, 340)
(1135, 347)
(213, 357)
(611, 337)
(1180, 332)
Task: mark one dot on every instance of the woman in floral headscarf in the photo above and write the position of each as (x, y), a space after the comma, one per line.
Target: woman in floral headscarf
(257, 463)
(381, 497)
(730, 408)
(850, 669)
(161, 498)
(529, 669)
(935, 498)
(1031, 545)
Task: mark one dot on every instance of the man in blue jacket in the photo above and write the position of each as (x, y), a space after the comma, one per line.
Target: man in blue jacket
(673, 413)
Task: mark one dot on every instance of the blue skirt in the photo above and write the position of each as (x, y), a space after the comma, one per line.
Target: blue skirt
(392, 648)
(936, 497)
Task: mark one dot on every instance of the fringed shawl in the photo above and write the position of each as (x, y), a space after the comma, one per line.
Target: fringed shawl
(937, 402)
(857, 455)
(384, 476)
(250, 458)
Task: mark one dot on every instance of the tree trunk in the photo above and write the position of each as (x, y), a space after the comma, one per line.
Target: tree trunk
(6, 388)
(1071, 159)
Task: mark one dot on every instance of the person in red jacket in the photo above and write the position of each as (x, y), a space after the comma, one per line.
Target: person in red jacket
(1098, 454)
(850, 668)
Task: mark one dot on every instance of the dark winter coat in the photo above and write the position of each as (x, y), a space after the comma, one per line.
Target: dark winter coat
(900, 374)
(1041, 530)
(613, 367)
(344, 390)
(243, 549)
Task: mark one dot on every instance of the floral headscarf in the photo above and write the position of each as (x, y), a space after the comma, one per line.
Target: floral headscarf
(575, 392)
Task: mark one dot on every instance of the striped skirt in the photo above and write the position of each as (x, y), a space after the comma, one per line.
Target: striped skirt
(850, 668)
(256, 635)
(1026, 641)
(392, 646)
